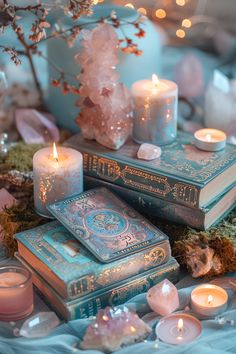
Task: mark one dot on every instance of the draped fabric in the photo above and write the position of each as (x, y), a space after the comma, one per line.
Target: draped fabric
(215, 338)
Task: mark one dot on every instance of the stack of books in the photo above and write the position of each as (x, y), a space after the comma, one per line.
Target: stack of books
(185, 185)
(101, 252)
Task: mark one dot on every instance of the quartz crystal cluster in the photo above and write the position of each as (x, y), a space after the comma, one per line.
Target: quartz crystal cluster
(105, 103)
(113, 329)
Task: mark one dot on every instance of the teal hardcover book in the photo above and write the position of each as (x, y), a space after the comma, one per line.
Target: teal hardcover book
(110, 296)
(183, 174)
(72, 270)
(201, 218)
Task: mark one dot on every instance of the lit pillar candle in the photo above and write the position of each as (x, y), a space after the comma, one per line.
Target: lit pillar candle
(210, 139)
(16, 293)
(155, 111)
(58, 173)
(209, 300)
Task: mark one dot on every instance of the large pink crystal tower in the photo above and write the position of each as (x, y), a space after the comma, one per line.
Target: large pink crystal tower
(105, 103)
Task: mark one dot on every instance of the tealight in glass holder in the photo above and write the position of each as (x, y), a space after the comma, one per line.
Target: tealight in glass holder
(16, 293)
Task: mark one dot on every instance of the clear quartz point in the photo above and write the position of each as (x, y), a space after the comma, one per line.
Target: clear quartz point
(39, 325)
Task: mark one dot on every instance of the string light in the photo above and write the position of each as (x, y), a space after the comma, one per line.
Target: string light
(186, 23)
(160, 13)
(142, 10)
(180, 33)
(180, 2)
(129, 5)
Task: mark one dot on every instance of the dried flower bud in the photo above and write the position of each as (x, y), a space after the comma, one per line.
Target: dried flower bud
(55, 83)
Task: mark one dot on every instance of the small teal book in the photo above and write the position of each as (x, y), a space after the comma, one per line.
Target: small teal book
(183, 174)
(110, 296)
(105, 224)
(72, 270)
(201, 219)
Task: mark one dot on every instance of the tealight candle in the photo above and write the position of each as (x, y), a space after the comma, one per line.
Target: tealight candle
(16, 293)
(58, 173)
(209, 300)
(155, 112)
(179, 328)
(210, 139)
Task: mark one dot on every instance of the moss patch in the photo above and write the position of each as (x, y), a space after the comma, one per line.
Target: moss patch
(16, 219)
(19, 157)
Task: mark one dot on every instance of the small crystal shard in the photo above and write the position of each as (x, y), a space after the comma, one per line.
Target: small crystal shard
(163, 298)
(39, 325)
(149, 152)
(113, 329)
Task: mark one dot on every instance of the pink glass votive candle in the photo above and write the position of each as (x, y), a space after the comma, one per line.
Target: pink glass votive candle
(16, 293)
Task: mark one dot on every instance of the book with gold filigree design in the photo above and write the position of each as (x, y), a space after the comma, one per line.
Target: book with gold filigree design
(201, 218)
(183, 174)
(114, 295)
(72, 270)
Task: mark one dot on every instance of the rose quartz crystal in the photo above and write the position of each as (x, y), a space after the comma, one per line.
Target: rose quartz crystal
(163, 298)
(188, 71)
(36, 127)
(113, 329)
(105, 103)
(149, 152)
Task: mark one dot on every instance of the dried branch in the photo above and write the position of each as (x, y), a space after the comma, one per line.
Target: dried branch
(10, 14)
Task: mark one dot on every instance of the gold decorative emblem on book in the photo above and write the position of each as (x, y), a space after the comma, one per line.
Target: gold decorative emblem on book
(186, 193)
(154, 184)
(155, 256)
(107, 169)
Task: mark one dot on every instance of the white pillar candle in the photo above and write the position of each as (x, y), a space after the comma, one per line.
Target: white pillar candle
(209, 300)
(155, 112)
(57, 174)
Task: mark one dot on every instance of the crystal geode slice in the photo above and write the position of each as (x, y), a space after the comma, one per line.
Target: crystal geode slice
(113, 329)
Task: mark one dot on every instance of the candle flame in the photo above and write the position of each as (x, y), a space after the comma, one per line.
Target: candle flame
(180, 325)
(208, 137)
(54, 152)
(210, 299)
(155, 80)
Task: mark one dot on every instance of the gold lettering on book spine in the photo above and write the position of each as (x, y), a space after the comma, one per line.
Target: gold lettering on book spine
(120, 295)
(110, 170)
(107, 169)
(146, 261)
(186, 194)
(146, 182)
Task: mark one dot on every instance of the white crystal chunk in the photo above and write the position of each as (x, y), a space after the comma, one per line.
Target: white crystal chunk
(149, 152)
(39, 325)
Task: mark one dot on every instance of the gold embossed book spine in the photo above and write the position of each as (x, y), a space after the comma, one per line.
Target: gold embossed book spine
(108, 296)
